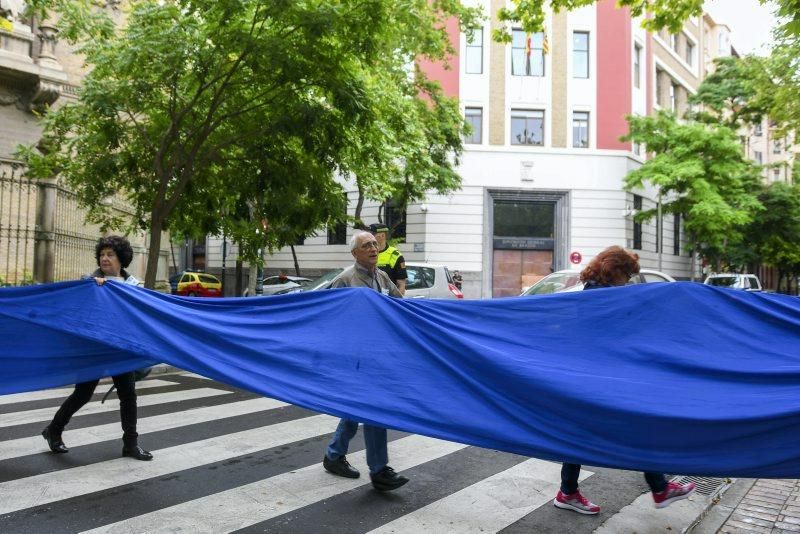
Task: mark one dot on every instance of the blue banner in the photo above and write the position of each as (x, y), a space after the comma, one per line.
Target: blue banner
(679, 378)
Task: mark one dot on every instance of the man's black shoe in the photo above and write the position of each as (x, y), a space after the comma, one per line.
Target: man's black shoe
(54, 442)
(340, 467)
(137, 453)
(387, 480)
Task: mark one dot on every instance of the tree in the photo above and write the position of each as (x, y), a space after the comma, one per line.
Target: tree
(702, 175)
(774, 236)
(214, 115)
(738, 93)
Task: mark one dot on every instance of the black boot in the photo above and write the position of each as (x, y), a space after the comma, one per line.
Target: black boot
(53, 441)
(137, 453)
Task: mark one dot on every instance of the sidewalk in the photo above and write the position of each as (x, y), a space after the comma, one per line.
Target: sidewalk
(762, 506)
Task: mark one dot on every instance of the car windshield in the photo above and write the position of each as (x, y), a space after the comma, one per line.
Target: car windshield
(722, 281)
(554, 283)
(322, 281)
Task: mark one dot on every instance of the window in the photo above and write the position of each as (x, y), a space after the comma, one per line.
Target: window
(637, 226)
(637, 66)
(659, 87)
(420, 277)
(675, 41)
(637, 149)
(580, 54)
(673, 98)
(337, 234)
(757, 157)
(776, 147)
(474, 53)
(757, 130)
(474, 117)
(776, 174)
(689, 52)
(527, 53)
(396, 219)
(676, 234)
(580, 129)
(527, 127)
(301, 240)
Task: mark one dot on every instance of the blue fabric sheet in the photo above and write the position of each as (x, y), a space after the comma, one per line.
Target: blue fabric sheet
(680, 378)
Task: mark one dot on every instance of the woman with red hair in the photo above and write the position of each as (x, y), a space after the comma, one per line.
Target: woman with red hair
(613, 267)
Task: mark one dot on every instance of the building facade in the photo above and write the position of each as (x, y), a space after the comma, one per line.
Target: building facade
(43, 233)
(543, 169)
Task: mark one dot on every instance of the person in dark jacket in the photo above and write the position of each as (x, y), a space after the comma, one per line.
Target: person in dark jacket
(611, 268)
(113, 254)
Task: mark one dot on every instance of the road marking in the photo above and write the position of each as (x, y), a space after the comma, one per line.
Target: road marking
(42, 489)
(489, 505)
(16, 448)
(46, 414)
(65, 392)
(247, 505)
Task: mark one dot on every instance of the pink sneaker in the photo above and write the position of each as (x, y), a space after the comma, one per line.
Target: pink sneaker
(673, 492)
(575, 502)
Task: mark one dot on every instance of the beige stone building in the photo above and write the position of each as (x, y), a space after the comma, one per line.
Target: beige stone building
(43, 235)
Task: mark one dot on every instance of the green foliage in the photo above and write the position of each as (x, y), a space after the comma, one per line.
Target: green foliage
(737, 94)
(774, 236)
(702, 175)
(213, 115)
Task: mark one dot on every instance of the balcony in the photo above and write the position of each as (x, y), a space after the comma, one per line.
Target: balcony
(30, 74)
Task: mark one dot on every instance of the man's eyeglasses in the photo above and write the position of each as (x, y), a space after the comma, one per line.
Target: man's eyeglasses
(368, 245)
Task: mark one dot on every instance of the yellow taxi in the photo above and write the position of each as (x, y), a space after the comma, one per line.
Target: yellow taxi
(194, 284)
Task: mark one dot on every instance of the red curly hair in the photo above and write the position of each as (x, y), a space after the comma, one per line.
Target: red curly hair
(612, 267)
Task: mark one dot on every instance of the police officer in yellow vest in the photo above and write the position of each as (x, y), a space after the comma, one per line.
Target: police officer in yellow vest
(390, 260)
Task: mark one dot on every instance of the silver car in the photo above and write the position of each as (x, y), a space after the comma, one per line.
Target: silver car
(568, 280)
(427, 280)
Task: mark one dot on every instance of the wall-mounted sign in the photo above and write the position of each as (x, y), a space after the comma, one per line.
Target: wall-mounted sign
(419, 247)
(575, 257)
(523, 243)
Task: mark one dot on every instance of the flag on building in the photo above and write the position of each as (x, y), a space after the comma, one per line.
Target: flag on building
(545, 44)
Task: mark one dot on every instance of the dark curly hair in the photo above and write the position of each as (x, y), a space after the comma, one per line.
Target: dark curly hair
(610, 266)
(121, 247)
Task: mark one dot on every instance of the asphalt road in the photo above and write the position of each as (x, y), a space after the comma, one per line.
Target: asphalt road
(228, 460)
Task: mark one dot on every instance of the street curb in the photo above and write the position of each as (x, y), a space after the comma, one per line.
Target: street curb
(712, 519)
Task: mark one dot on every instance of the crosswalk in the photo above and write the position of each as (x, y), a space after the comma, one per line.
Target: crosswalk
(227, 460)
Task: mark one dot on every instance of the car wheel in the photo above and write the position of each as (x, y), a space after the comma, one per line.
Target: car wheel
(192, 294)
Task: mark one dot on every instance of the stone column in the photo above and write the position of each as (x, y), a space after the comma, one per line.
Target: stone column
(44, 248)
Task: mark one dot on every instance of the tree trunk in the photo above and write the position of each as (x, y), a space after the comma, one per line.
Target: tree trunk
(296, 264)
(153, 251)
(239, 276)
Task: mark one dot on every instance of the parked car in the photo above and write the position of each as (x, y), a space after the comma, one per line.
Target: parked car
(322, 282)
(426, 280)
(195, 284)
(569, 280)
(273, 284)
(745, 282)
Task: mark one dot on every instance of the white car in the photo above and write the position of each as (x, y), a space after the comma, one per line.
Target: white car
(426, 280)
(569, 280)
(274, 284)
(745, 282)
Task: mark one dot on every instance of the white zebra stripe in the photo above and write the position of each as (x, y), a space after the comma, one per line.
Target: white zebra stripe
(111, 405)
(65, 392)
(51, 487)
(489, 505)
(16, 448)
(247, 505)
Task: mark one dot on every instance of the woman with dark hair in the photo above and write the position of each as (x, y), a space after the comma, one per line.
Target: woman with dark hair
(113, 254)
(613, 267)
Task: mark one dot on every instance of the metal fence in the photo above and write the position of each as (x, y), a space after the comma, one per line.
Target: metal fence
(18, 200)
(71, 240)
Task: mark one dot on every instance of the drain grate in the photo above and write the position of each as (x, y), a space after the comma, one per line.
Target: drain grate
(708, 486)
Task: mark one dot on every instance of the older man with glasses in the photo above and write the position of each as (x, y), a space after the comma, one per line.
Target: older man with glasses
(364, 273)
